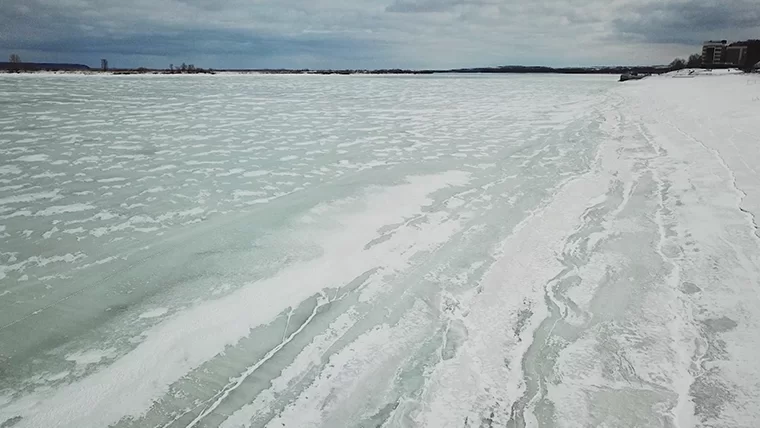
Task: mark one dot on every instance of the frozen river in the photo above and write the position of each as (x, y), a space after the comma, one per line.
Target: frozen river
(331, 251)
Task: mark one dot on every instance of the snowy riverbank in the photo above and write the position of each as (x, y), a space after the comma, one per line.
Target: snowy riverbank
(707, 133)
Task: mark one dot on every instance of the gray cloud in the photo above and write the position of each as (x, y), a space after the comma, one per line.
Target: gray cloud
(689, 22)
(368, 33)
(429, 6)
(199, 42)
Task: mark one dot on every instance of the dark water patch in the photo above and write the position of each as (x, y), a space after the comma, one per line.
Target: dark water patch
(11, 422)
(562, 289)
(487, 422)
(720, 325)
(300, 315)
(381, 417)
(522, 320)
(710, 395)
(711, 329)
(710, 392)
(378, 240)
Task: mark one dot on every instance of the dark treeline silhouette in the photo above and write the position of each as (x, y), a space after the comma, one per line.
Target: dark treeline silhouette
(507, 69)
(694, 61)
(40, 66)
(753, 54)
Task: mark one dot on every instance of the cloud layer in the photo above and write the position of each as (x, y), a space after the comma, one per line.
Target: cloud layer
(368, 33)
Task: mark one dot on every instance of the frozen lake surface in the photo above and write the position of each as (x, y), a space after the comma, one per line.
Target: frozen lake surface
(330, 251)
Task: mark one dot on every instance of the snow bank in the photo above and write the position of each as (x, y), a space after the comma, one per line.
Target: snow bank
(707, 132)
(703, 72)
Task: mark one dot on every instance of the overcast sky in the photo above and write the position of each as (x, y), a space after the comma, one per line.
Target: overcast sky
(368, 33)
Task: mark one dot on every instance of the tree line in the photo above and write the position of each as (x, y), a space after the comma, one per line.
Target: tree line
(187, 68)
(694, 61)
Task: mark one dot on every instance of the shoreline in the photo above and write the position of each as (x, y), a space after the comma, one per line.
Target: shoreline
(612, 70)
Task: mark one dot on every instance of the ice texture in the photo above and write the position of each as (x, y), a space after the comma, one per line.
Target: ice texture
(387, 251)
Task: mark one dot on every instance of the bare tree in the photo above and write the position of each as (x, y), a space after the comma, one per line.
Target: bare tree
(694, 61)
(15, 59)
(678, 64)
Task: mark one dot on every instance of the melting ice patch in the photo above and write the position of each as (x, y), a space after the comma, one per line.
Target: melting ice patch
(154, 313)
(62, 209)
(33, 158)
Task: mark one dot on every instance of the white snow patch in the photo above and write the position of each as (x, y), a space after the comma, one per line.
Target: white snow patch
(63, 209)
(163, 168)
(154, 313)
(33, 158)
(92, 356)
(247, 193)
(231, 172)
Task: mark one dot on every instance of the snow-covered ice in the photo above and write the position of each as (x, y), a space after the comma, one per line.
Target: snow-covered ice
(395, 251)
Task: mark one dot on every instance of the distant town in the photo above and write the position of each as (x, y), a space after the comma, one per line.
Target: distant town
(743, 55)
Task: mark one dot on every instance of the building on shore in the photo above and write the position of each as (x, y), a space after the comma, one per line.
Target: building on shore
(721, 54)
(712, 52)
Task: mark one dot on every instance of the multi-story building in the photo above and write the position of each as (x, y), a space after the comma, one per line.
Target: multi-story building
(747, 52)
(713, 52)
(739, 54)
(735, 55)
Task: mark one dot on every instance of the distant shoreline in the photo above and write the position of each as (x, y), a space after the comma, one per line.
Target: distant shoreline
(512, 69)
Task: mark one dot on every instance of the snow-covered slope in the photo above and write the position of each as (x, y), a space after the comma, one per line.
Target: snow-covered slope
(705, 133)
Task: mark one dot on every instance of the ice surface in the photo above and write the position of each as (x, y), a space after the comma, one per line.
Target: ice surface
(323, 251)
